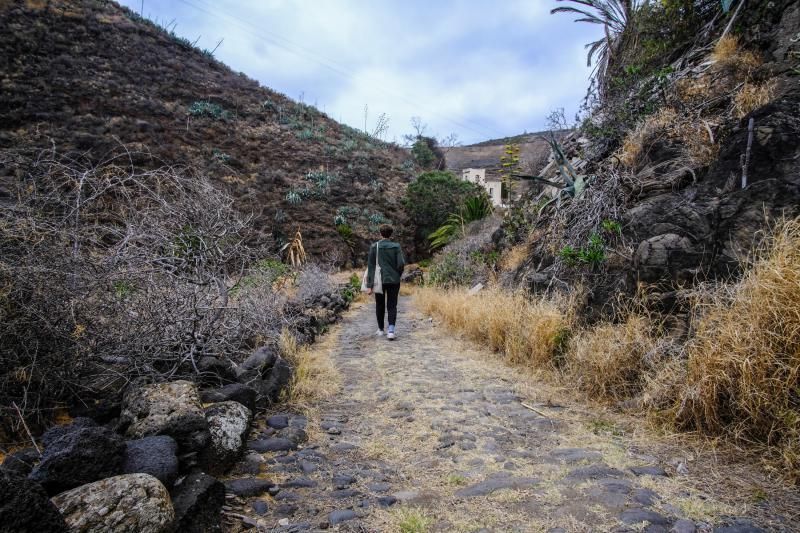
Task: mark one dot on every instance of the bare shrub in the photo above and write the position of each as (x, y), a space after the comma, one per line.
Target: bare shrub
(743, 368)
(313, 281)
(110, 273)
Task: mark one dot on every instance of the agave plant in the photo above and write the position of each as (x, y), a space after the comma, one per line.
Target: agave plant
(574, 184)
(613, 15)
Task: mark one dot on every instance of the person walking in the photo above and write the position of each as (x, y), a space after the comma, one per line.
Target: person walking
(390, 263)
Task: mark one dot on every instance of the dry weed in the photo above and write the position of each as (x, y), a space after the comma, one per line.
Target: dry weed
(514, 257)
(729, 55)
(315, 376)
(609, 361)
(690, 134)
(753, 96)
(635, 145)
(744, 361)
(527, 331)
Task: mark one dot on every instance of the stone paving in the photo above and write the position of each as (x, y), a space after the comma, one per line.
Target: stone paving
(428, 433)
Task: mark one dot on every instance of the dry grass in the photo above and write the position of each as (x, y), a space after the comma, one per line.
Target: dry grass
(728, 54)
(744, 360)
(609, 361)
(527, 331)
(690, 134)
(753, 96)
(315, 378)
(514, 257)
(635, 145)
(410, 520)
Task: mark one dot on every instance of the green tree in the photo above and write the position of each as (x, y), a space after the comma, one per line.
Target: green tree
(427, 154)
(433, 196)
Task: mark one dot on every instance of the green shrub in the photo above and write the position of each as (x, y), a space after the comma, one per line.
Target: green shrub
(594, 253)
(294, 197)
(345, 231)
(433, 196)
(123, 288)
(569, 255)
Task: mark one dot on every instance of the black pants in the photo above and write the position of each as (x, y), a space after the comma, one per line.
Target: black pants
(390, 293)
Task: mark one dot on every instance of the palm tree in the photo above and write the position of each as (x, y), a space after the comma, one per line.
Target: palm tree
(613, 15)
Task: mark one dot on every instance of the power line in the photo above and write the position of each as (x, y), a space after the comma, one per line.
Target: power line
(298, 50)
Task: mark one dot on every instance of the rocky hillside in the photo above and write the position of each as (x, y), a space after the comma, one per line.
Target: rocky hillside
(663, 157)
(532, 146)
(90, 79)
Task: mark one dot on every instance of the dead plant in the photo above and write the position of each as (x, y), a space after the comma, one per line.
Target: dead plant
(743, 368)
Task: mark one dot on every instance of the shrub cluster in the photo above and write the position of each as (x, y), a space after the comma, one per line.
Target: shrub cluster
(109, 274)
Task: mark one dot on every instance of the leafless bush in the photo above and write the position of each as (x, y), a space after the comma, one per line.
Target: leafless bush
(314, 281)
(109, 273)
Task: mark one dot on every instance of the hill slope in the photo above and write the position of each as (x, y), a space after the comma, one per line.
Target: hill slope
(534, 151)
(87, 77)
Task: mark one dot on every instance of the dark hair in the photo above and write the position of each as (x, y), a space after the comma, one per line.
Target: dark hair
(386, 231)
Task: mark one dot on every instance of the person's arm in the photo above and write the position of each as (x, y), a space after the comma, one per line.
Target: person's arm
(371, 266)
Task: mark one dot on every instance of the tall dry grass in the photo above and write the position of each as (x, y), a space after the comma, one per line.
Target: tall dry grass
(610, 362)
(530, 332)
(728, 53)
(744, 359)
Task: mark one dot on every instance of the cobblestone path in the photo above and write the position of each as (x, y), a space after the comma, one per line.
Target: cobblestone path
(429, 433)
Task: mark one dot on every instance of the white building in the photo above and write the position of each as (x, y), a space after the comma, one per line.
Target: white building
(493, 187)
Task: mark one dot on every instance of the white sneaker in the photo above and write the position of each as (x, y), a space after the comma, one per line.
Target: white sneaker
(379, 332)
(390, 336)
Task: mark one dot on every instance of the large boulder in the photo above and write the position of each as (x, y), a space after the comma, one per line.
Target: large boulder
(79, 456)
(236, 392)
(276, 380)
(229, 424)
(256, 364)
(130, 503)
(172, 409)
(25, 507)
(198, 501)
(667, 256)
(266, 372)
(154, 455)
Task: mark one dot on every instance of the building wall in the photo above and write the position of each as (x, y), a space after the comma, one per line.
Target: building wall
(478, 177)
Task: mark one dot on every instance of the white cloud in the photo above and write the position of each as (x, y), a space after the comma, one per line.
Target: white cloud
(477, 68)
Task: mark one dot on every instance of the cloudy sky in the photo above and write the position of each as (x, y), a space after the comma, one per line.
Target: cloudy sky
(481, 69)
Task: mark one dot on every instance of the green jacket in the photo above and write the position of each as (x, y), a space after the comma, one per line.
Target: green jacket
(391, 260)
